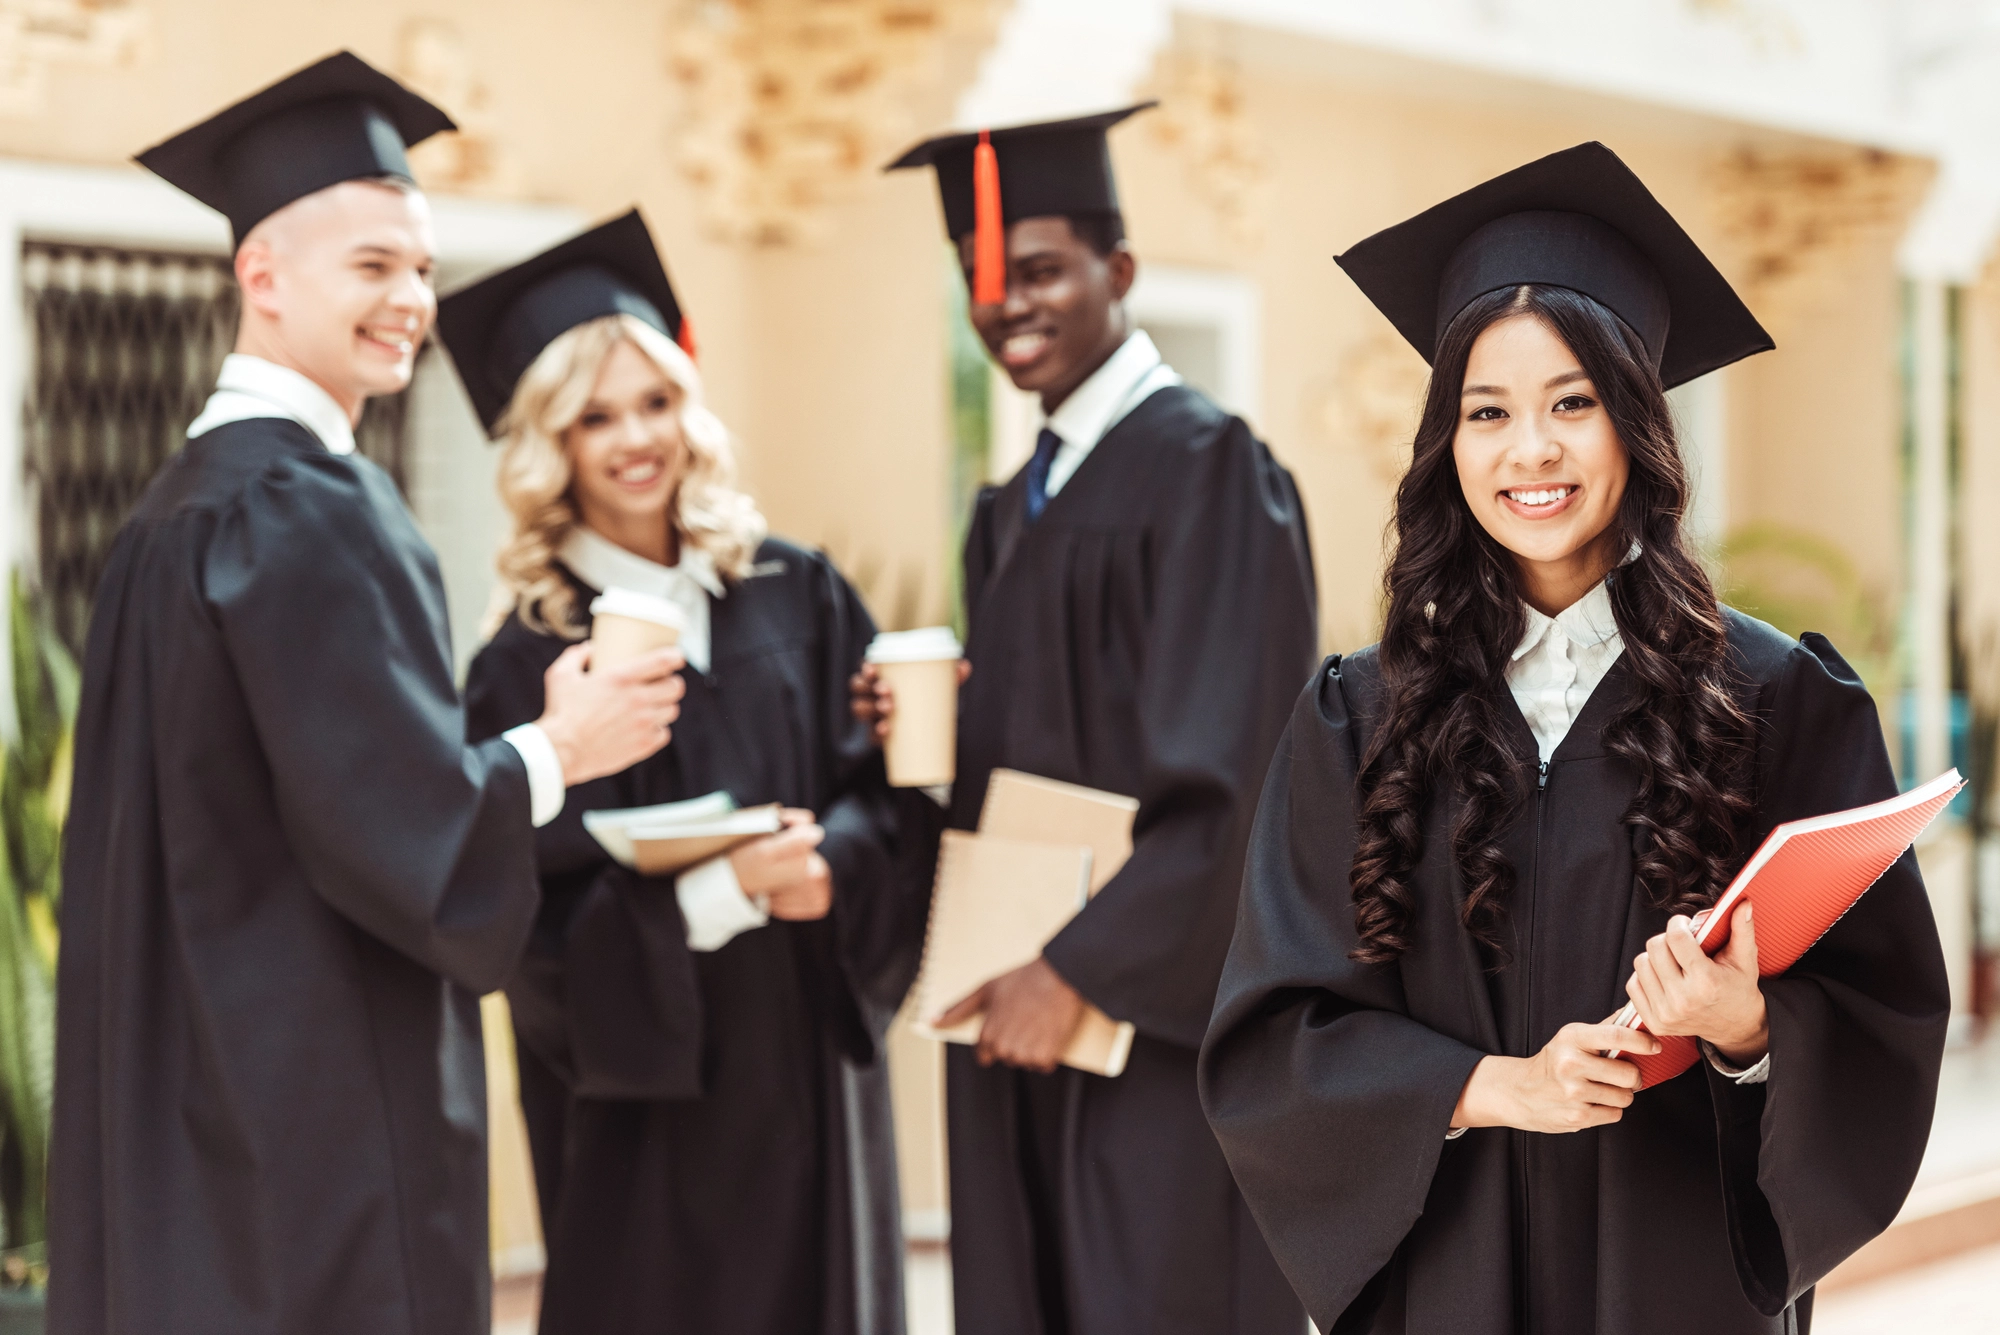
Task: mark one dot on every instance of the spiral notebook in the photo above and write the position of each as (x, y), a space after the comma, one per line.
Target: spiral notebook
(1803, 878)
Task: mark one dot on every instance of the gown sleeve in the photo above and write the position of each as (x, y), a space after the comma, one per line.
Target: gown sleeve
(877, 840)
(1819, 1159)
(1230, 638)
(606, 993)
(1329, 1101)
(333, 616)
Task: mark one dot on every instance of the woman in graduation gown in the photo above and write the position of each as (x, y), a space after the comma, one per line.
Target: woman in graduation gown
(701, 1055)
(1478, 830)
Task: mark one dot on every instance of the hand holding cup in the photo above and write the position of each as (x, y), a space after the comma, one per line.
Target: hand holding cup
(604, 722)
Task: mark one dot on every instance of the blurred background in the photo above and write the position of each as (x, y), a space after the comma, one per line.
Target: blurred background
(1839, 158)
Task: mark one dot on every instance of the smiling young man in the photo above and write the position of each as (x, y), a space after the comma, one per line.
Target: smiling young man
(287, 878)
(1141, 611)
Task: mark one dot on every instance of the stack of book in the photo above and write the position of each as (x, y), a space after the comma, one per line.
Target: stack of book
(1042, 850)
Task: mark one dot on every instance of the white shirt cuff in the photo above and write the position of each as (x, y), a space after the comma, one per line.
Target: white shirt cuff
(713, 902)
(1756, 1073)
(546, 789)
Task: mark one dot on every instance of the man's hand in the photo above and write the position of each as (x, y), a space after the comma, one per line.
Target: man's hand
(785, 872)
(1031, 1015)
(603, 722)
(1680, 990)
(1567, 1086)
(874, 701)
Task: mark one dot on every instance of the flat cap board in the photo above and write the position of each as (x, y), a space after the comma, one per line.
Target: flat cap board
(340, 119)
(496, 327)
(1048, 169)
(1578, 219)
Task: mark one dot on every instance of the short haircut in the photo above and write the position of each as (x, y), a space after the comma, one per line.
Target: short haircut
(1102, 232)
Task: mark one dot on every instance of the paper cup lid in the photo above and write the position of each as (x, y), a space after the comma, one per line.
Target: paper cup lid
(638, 606)
(915, 646)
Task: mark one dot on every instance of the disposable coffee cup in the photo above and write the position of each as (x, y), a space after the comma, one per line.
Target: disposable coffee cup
(626, 625)
(921, 667)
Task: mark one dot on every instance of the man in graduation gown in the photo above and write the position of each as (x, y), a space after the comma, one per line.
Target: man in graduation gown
(1141, 609)
(287, 878)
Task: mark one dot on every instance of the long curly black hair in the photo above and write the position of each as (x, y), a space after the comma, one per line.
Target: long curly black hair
(1455, 616)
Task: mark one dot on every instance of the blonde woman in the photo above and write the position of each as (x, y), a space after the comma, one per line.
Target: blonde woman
(700, 1055)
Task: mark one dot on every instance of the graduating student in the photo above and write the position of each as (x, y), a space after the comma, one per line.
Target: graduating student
(1476, 831)
(1141, 608)
(287, 878)
(713, 1121)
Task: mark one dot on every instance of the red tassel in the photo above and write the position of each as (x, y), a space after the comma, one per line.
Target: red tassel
(686, 338)
(989, 235)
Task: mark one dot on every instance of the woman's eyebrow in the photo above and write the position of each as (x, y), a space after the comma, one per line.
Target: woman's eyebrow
(1566, 378)
(1470, 390)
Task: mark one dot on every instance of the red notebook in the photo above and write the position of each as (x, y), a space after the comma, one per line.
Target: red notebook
(1804, 876)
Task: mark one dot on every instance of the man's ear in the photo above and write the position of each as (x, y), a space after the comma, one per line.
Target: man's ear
(257, 276)
(1124, 267)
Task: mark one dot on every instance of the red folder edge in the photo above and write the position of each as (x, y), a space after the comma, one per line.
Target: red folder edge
(1797, 924)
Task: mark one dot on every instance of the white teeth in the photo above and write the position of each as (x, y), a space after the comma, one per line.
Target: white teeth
(1548, 497)
(1021, 344)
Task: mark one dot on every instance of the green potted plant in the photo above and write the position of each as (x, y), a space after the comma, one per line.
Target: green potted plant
(34, 798)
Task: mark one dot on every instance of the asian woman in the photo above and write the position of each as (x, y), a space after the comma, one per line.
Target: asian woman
(1490, 830)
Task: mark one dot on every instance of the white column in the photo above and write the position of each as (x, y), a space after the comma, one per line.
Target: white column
(1930, 529)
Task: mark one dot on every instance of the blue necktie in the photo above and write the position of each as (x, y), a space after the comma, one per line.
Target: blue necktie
(1046, 446)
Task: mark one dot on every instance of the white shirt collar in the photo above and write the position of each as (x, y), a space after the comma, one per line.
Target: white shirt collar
(1587, 621)
(1112, 391)
(250, 387)
(603, 564)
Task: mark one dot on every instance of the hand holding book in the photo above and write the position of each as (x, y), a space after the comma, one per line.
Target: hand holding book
(1679, 990)
(1805, 876)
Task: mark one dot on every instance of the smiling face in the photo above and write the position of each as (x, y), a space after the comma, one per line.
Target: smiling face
(1064, 312)
(1539, 460)
(627, 454)
(337, 286)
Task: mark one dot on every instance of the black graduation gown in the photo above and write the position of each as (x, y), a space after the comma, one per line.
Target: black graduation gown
(1711, 1206)
(286, 881)
(728, 1162)
(1145, 636)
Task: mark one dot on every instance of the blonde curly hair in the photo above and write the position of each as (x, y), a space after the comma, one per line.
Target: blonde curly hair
(708, 513)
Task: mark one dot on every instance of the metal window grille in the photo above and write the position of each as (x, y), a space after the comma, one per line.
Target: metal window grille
(125, 347)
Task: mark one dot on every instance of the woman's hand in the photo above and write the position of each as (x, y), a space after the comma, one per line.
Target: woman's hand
(784, 872)
(1566, 1086)
(1679, 990)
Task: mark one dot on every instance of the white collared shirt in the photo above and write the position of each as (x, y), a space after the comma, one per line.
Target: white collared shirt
(1127, 379)
(1560, 661)
(711, 898)
(250, 387)
(603, 564)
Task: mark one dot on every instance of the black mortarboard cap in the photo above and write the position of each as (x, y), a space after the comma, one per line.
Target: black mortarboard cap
(1049, 169)
(338, 120)
(1579, 219)
(496, 327)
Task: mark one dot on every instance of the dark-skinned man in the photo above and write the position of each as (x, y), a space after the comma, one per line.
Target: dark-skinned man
(1140, 604)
